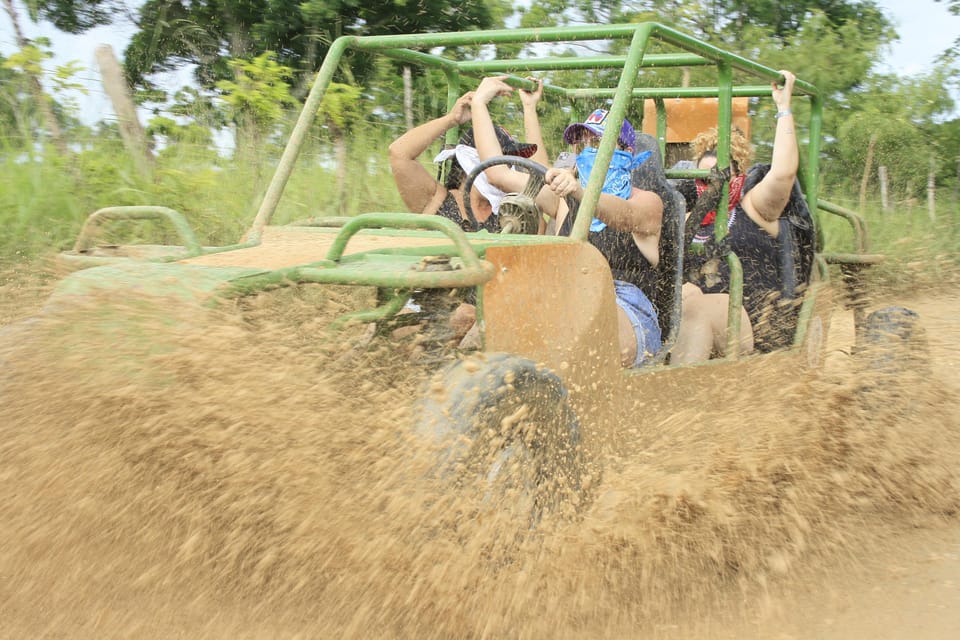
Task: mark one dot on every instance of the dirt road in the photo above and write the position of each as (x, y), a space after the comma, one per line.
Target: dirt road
(228, 487)
(906, 585)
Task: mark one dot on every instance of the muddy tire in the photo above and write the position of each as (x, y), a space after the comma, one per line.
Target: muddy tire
(503, 428)
(893, 361)
(894, 342)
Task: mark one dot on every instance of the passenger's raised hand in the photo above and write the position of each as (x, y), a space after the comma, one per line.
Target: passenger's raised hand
(531, 98)
(782, 95)
(460, 113)
(490, 88)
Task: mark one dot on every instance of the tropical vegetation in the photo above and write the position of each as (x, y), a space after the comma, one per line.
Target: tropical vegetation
(215, 140)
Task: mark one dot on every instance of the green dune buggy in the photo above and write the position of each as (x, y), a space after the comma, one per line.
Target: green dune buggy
(514, 409)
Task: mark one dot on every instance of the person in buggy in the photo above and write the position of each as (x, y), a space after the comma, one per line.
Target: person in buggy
(626, 229)
(768, 228)
(422, 193)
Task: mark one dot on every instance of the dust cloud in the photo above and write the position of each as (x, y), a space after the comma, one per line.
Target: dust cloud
(245, 473)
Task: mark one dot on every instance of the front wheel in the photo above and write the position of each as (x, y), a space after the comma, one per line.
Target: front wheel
(504, 428)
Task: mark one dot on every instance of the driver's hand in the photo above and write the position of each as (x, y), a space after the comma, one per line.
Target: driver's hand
(563, 182)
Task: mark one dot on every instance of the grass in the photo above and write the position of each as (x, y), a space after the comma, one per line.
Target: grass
(919, 252)
(45, 200)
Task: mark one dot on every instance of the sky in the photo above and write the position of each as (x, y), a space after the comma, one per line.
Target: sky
(926, 29)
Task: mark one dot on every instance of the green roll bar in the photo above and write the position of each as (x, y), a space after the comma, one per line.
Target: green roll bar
(406, 221)
(419, 49)
(414, 49)
(468, 271)
(96, 221)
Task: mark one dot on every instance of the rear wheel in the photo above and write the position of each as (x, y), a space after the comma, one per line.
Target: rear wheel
(504, 429)
(894, 357)
(894, 342)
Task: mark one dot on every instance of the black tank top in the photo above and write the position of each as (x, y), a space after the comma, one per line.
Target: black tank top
(773, 320)
(775, 270)
(759, 253)
(450, 209)
(627, 262)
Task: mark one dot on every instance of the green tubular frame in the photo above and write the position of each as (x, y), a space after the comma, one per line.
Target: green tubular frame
(396, 268)
(406, 221)
(97, 219)
(392, 269)
(856, 221)
(413, 49)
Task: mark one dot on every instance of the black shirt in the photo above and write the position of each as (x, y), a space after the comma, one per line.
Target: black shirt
(627, 262)
(450, 209)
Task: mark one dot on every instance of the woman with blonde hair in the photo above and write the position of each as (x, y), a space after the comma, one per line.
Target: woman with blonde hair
(764, 203)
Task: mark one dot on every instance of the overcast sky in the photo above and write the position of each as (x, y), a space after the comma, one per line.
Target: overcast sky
(926, 29)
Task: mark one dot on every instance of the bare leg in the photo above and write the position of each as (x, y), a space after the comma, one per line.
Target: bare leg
(703, 327)
(627, 339)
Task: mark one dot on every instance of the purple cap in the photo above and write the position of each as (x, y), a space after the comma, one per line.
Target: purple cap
(595, 123)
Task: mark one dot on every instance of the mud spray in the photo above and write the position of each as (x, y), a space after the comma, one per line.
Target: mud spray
(243, 475)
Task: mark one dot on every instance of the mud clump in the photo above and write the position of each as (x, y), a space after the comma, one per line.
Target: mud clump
(243, 472)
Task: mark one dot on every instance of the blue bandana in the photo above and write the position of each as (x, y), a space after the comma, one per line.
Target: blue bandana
(617, 182)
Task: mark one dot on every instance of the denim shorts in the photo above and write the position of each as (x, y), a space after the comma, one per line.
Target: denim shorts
(643, 317)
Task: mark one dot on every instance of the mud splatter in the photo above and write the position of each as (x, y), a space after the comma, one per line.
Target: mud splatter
(240, 473)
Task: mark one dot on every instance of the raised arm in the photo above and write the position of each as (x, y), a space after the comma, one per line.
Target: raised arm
(531, 122)
(416, 185)
(768, 199)
(485, 136)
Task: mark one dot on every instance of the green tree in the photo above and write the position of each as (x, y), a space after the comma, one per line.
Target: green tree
(74, 16)
(29, 59)
(256, 99)
(199, 107)
(206, 32)
(807, 36)
(904, 117)
(954, 7)
(23, 111)
(258, 94)
(29, 101)
(171, 131)
(15, 110)
(339, 112)
(784, 19)
(898, 146)
(709, 19)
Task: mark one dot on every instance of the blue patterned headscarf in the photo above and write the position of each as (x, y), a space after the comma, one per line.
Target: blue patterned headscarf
(617, 182)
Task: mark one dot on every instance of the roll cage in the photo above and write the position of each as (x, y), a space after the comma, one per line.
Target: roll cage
(683, 51)
(645, 46)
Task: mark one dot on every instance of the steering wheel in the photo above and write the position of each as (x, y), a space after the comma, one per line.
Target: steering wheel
(518, 212)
